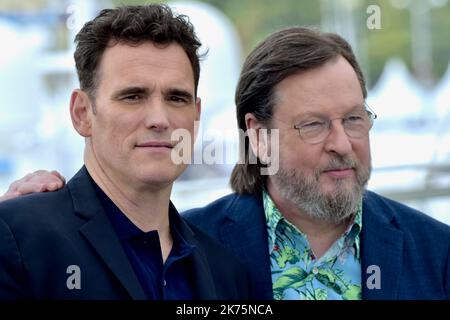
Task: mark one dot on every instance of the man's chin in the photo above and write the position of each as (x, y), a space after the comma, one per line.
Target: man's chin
(159, 177)
(332, 190)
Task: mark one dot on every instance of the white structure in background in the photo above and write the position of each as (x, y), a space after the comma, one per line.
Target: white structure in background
(397, 96)
(220, 69)
(406, 138)
(35, 126)
(441, 103)
(218, 79)
(20, 86)
(398, 101)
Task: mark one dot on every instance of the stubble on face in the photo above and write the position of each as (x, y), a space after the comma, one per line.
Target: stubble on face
(304, 191)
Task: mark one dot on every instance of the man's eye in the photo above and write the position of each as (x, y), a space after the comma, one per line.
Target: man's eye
(354, 119)
(312, 124)
(132, 97)
(178, 99)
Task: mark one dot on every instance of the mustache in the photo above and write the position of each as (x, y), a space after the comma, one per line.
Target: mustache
(338, 162)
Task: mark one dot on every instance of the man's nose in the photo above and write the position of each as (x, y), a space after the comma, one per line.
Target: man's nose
(156, 114)
(338, 141)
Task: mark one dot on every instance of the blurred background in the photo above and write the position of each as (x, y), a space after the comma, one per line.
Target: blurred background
(402, 45)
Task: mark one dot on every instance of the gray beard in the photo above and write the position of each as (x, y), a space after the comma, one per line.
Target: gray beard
(305, 192)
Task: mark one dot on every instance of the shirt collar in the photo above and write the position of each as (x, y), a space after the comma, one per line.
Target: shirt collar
(354, 230)
(274, 218)
(125, 229)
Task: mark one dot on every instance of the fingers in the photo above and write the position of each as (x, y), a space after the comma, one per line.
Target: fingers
(38, 181)
(59, 176)
(31, 187)
(9, 195)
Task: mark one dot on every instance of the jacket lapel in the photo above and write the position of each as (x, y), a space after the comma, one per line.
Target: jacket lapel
(203, 280)
(99, 232)
(245, 233)
(381, 246)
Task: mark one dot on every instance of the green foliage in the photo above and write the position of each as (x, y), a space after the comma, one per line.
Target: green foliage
(286, 255)
(352, 292)
(328, 279)
(294, 277)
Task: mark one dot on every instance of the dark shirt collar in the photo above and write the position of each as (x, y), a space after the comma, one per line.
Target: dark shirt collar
(172, 279)
(125, 229)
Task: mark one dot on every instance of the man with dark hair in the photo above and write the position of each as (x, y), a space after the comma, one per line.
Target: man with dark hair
(112, 232)
(312, 230)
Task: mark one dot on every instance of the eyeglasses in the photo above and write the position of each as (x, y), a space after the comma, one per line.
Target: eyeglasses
(356, 125)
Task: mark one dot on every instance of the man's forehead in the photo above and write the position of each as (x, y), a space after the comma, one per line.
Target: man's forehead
(146, 61)
(146, 53)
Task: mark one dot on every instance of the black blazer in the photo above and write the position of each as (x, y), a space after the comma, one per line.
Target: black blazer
(43, 235)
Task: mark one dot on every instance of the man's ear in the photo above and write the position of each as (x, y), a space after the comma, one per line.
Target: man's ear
(81, 112)
(258, 139)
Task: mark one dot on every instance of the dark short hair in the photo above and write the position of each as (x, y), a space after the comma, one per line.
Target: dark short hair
(132, 24)
(282, 54)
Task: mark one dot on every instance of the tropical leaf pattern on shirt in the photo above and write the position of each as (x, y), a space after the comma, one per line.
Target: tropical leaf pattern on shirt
(297, 274)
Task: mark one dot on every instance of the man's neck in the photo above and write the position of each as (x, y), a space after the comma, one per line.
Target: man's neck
(321, 234)
(148, 209)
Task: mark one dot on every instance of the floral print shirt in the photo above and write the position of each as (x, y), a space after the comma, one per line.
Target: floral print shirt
(298, 275)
